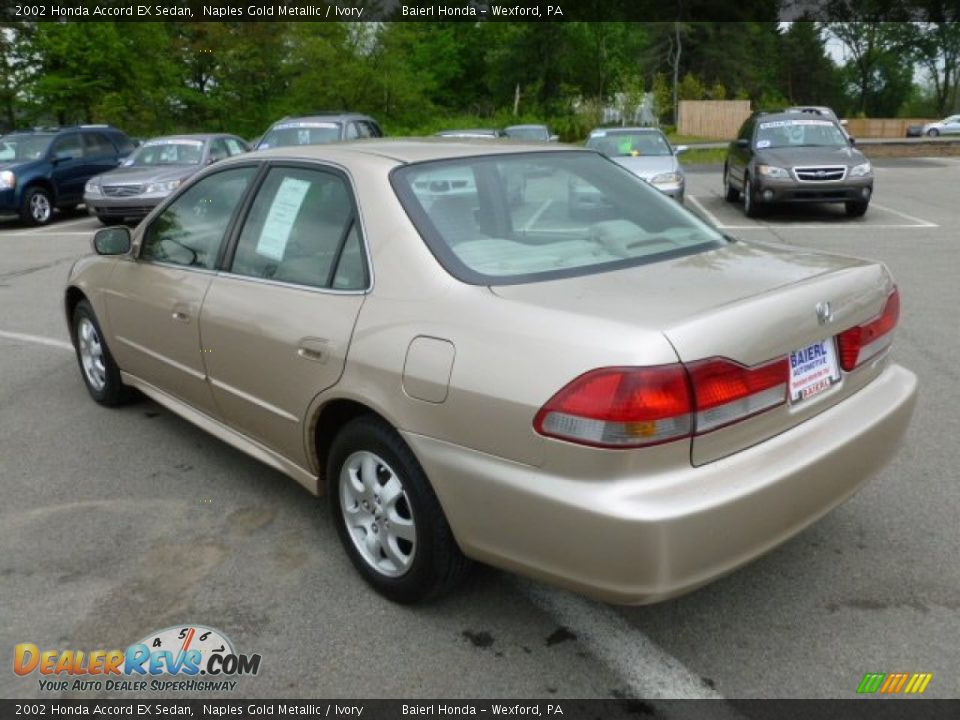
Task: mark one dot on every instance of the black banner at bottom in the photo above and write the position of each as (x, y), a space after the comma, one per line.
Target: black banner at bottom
(874, 709)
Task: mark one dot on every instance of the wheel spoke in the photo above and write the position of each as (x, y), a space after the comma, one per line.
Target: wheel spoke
(399, 560)
(391, 492)
(403, 529)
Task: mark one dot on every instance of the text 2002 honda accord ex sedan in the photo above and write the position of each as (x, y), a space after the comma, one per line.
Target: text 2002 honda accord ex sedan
(625, 403)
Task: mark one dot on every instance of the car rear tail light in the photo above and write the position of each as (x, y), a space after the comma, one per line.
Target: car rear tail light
(626, 407)
(863, 342)
(726, 392)
(621, 407)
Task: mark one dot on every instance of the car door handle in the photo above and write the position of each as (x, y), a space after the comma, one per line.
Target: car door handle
(313, 349)
(180, 315)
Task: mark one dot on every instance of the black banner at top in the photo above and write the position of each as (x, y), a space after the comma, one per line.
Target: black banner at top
(444, 11)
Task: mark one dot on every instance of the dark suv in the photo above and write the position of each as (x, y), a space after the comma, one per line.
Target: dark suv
(319, 129)
(47, 168)
(796, 157)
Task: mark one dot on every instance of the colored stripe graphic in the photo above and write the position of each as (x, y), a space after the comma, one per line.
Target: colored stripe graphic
(894, 683)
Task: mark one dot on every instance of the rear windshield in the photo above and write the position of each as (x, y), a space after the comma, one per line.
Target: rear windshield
(300, 133)
(24, 147)
(507, 219)
(628, 144)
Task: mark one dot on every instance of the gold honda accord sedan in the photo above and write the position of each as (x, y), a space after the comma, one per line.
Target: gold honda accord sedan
(471, 365)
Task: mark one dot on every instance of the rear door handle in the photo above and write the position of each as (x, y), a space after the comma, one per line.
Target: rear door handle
(181, 313)
(313, 349)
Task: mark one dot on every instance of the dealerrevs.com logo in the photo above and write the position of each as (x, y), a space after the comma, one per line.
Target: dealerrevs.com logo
(183, 657)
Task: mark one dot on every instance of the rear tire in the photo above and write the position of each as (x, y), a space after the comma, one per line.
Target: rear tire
(387, 516)
(731, 194)
(97, 368)
(856, 209)
(933, 132)
(37, 207)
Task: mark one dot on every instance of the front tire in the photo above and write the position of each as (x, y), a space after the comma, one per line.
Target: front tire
(933, 132)
(856, 209)
(750, 208)
(731, 194)
(37, 207)
(387, 515)
(97, 368)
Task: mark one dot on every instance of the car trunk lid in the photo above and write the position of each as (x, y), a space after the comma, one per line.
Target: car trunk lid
(748, 302)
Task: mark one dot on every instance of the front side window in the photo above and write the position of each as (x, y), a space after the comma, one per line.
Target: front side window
(526, 217)
(190, 230)
(235, 146)
(302, 229)
(69, 145)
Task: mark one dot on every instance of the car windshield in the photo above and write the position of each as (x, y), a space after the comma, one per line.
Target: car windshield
(168, 152)
(524, 217)
(24, 147)
(528, 133)
(801, 132)
(300, 133)
(628, 144)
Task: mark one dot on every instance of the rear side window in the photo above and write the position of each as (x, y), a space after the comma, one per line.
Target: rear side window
(302, 229)
(190, 230)
(97, 145)
(505, 219)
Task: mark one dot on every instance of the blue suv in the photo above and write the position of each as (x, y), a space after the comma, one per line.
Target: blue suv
(45, 169)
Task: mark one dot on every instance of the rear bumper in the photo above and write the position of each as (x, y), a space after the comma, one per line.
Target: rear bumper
(639, 540)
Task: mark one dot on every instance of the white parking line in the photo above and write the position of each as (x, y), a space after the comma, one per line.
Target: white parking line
(923, 223)
(536, 216)
(647, 670)
(916, 222)
(49, 233)
(710, 216)
(36, 340)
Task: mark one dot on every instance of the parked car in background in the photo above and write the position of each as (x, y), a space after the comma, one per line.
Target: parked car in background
(319, 129)
(153, 171)
(629, 408)
(914, 130)
(646, 153)
(46, 169)
(530, 132)
(947, 126)
(472, 133)
(789, 158)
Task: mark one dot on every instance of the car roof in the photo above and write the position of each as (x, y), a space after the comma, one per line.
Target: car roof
(469, 131)
(533, 126)
(789, 115)
(611, 130)
(409, 150)
(189, 136)
(331, 116)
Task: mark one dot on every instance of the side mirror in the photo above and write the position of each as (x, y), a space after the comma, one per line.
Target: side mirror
(743, 143)
(211, 160)
(853, 140)
(680, 149)
(112, 241)
(554, 138)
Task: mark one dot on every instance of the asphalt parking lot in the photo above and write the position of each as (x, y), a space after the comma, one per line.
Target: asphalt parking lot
(116, 523)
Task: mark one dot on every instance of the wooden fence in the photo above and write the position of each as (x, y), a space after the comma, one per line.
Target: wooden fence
(718, 119)
(881, 127)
